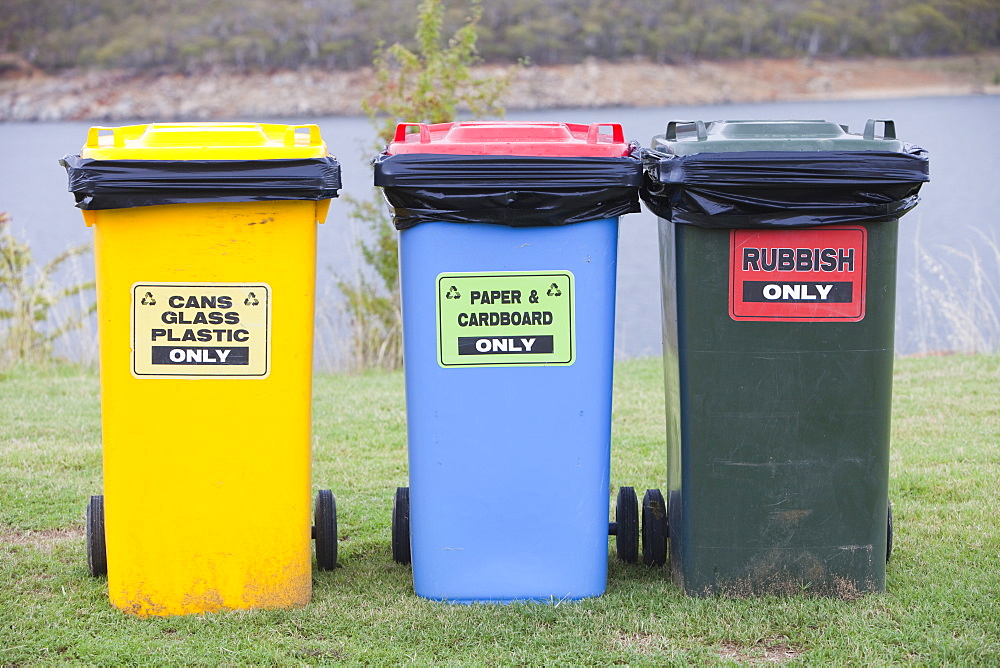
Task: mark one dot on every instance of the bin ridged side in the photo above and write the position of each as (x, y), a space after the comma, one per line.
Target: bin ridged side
(778, 433)
(207, 480)
(509, 466)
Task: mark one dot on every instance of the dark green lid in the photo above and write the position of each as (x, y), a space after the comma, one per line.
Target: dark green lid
(690, 137)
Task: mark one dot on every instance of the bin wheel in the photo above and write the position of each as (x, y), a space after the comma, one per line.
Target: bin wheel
(655, 528)
(627, 519)
(97, 548)
(888, 537)
(401, 526)
(325, 530)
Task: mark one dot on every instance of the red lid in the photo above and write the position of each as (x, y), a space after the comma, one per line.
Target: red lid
(512, 138)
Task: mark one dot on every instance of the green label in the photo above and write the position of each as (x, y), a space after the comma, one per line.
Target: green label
(519, 318)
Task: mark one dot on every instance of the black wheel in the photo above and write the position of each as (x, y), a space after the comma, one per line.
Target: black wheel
(627, 519)
(97, 549)
(888, 537)
(325, 530)
(401, 526)
(655, 529)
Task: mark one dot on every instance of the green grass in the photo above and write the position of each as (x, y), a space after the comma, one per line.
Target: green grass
(940, 608)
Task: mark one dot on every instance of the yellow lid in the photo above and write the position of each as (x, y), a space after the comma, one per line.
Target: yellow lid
(204, 141)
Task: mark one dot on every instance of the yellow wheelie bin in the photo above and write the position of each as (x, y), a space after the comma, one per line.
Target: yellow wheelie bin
(205, 251)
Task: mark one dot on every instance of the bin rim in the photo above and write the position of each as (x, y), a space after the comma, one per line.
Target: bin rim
(523, 138)
(204, 141)
(123, 184)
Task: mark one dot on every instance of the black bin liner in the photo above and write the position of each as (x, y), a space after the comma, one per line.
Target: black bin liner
(122, 184)
(783, 189)
(513, 190)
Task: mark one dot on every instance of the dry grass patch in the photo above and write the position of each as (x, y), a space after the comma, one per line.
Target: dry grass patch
(641, 642)
(767, 650)
(47, 538)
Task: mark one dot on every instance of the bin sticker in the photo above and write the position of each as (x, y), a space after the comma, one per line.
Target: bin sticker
(510, 318)
(812, 274)
(199, 330)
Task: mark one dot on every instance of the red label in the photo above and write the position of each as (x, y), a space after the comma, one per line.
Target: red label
(815, 274)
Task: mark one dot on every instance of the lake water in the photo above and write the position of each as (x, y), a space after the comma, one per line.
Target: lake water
(954, 226)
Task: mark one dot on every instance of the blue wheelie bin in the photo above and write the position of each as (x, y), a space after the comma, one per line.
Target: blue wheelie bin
(508, 249)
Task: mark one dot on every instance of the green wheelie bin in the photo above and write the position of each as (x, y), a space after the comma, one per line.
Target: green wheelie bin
(778, 254)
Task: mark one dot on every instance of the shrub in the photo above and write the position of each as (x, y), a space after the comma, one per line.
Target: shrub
(28, 298)
(430, 85)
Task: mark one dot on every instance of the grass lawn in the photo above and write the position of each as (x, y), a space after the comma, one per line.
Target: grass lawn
(941, 606)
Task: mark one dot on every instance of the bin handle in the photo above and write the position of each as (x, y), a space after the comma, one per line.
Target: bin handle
(698, 125)
(425, 132)
(594, 132)
(889, 131)
(314, 136)
(94, 136)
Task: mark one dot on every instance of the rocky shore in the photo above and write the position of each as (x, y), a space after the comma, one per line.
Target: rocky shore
(116, 96)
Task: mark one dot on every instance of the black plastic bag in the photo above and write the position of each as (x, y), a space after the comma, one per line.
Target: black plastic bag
(780, 189)
(513, 190)
(122, 184)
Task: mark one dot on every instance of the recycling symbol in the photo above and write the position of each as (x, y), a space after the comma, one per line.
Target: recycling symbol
(147, 300)
(554, 291)
(453, 293)
(251, 300)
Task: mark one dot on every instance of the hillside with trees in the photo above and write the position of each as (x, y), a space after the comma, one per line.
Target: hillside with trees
(251, 35)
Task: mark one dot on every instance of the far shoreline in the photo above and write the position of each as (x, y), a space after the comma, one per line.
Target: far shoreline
(117, 95)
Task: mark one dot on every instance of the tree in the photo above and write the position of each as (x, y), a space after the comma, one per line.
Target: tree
(431, 84)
